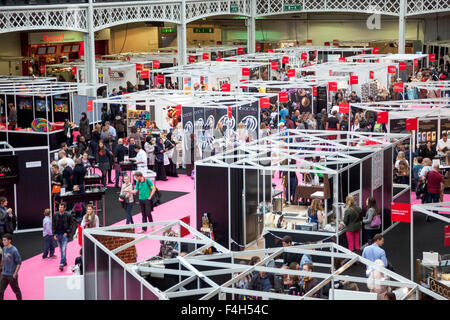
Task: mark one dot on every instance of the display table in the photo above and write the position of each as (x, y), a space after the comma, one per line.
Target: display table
(92, 179)
(97, 194)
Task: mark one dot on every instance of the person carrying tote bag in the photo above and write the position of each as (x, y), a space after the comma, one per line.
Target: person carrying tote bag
(371, 221)
(352, 223)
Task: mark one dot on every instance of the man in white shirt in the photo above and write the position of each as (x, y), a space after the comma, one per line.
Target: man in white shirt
(141, 159)
(443, 145)
(62, 157)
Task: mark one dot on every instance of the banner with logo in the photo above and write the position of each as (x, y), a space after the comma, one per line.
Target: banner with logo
(248, 115)
(401, 212)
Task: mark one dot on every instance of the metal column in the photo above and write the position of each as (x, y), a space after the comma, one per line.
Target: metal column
(89, 50)
(251, 28)
(401, 27)
(181, 36)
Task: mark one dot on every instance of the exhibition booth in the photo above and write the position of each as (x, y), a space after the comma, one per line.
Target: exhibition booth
(124, 272)
(323, 53)
(244, 206)
(42, 108)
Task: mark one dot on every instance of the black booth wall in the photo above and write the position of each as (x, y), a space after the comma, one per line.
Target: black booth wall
(25, 139)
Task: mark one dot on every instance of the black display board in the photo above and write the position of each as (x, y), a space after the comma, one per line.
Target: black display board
(9, 169)
(321, 99)
(61, 107)
(248, 115)
(445, 126)
(427, 131)
(24, 107)
(212, 198)
(366, 182)
(397, 125)
(188, 119)
(355, 182)
(33, 192)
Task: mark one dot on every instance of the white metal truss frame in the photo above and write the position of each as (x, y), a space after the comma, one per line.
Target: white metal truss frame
(268, 153)
(45, 88)
(75, 16)
(237, 271)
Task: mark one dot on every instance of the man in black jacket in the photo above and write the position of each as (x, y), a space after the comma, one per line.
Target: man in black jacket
(62, 225)
(289, 257)
(67, 176)
(119, 156)
(131, 152)
(79, 171)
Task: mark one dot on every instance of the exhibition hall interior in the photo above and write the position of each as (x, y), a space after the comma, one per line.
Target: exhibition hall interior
(225, 150)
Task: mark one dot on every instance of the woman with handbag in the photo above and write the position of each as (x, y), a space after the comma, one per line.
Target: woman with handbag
(126, 198)
(159, 160)
(150, 150)
(104, 160)
(371, 221)
(352, 223)
(90, 219)
(170, 145)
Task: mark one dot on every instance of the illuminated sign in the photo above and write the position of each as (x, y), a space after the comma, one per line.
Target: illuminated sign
(55, 37)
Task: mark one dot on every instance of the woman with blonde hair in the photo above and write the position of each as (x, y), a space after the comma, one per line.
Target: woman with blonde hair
(242, 133)
(90, 219)
(315, 212)
(400, 157)
(352, 223)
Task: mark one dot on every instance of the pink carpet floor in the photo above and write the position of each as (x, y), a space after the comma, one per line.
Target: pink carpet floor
(34, 270)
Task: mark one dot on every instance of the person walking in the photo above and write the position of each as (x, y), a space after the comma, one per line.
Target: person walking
(85, 129)
(435, 187)
(47, 232)
(128, 199)
(11, 263)
(146, 191)
(371, 220)
(62, 224)
(90, 219)
(375, 250)
(352, 223)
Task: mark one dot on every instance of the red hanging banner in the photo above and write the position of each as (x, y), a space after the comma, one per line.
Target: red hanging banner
(401, 212)
(353, 79)
(191, 59)
(371, 75)
(160, 78)
(332, 86)
(447, 235)
(314, 91)
(178, 109)
(285, 60)
(375, 50)
(402, 66)
(283, 97)
(156, 64)
(383, 117)
(144, 74)
(226, 87)
(274, 65)
(315, 53)
(359, 60)
(304, 56)
(90, 105)
(336, 44)
(139, 67)
(219, 59)
(206, 56)
(264, 103)
(344, 107)
(309, 41)
(80, 235)
(245, 72)
(74, 70)
(291, 73)
(341, 59)
(411, 124)
(270, 51)
(42, 68)
(416, 63)
(392, 69)
(398, 87)
(230, 112)
(258, 47)
(240, 50)
(326, 43)
(432, 57)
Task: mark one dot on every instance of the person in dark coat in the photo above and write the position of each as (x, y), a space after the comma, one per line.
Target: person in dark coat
(79, 171)
(159, 161)
(119, 123)
(67, 176)
(169, 144)
(85, 129)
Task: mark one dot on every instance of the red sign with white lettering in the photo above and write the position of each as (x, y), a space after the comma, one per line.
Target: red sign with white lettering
(314, 91)
(74, 70)
(156, 64)
(139, 67)
(341, 59)
(332, 86)
(274, 65)
(258, 47)
(416, 63)
(240, 50)
(304, 56)
(309, 41)
(178, 110)
(432, 57)
(270, 50)
(226, 87)
(160, 78)
(383, 117)
(353, 79)
(392, 69)
(206, 56)
(219, 59)
(371, 75)
(376, 50)
(285, 60)
(291, 73)
(264, 103)
(283, 97)
(326, 43)
(191, 59)
(411, 124)
(42, 68)
(330, 72)
(230, 112)
(402, 66)
(245, 72)
(144, 74)
(183, 231)
(447, 235)
(398, 87)
(90, 105)
(344, 107)
(401, 212)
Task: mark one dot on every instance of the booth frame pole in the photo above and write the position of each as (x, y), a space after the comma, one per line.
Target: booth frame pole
(412, 244)
(336, 200)
(181, 35)
(251, 28)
